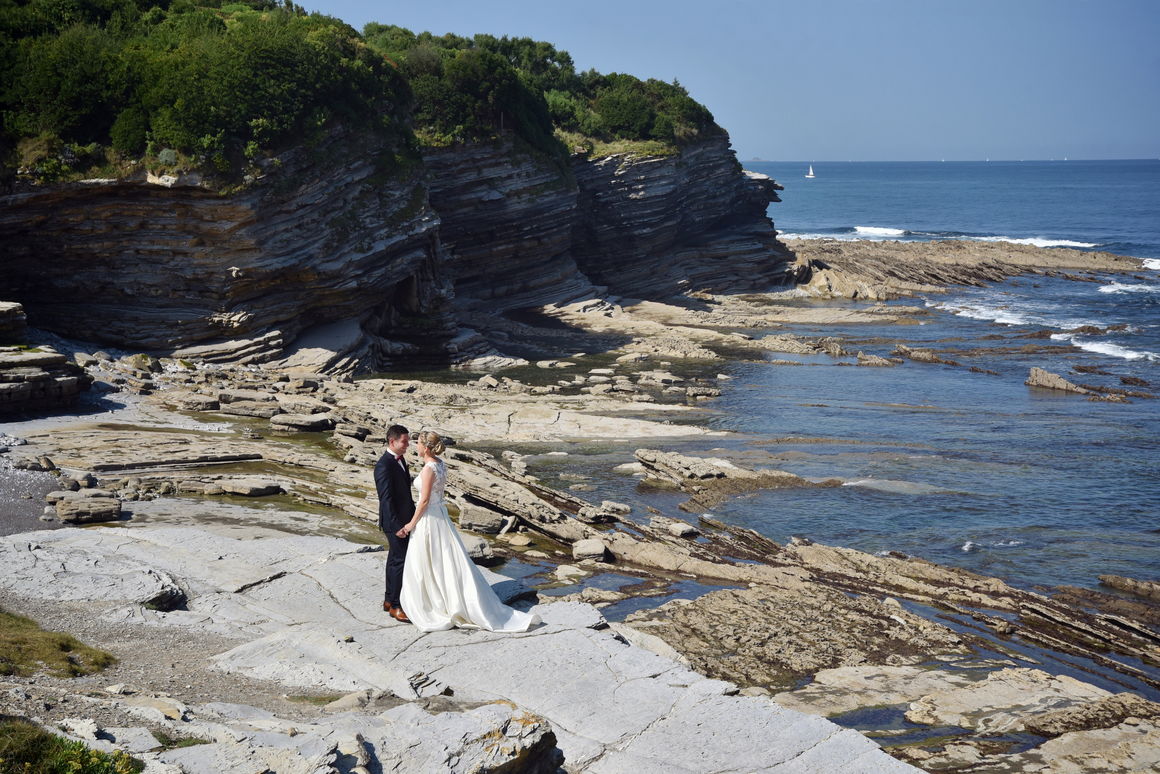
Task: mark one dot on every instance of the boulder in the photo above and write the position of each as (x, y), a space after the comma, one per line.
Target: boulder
(479, 550)
(250, 487)
(683, 530)
(303, 422)
(84, 510)
(590, 548)
(13, 323)
(479, 519)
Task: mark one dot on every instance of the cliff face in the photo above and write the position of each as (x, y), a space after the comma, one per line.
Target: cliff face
(328, 237)
(507, 222)
(522, 232)
(694, 221)
(342, 259)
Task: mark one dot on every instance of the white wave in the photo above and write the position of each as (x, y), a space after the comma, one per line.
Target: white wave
(842, 237)
(1152, 263)
(1008, 543)
(1035, 241)
(880, 232)
(969, 546)
(984, 312)
(1120, 287)
(898, 487)
(1027, 313)
(1106, 348)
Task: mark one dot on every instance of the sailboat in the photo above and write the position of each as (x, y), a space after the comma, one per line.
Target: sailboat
(811, 172)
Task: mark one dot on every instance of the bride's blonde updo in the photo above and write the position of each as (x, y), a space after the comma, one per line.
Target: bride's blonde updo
(432, 441)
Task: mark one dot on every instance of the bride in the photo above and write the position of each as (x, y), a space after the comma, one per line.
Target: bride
(442, 587)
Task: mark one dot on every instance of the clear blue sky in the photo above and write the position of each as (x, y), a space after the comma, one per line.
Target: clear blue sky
(860, 79)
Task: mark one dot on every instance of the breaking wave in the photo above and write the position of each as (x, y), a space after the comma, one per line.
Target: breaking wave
(1105, 348)
(880, 232)
(1120, 287)
(1034, 241)
(1005, 314)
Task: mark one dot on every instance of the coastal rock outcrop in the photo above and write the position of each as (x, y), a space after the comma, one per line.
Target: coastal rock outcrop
(507, 220)
(1049, 381)
(306, 613)
(657, 225)
(34, 378)
(710, 480)
(194, 271)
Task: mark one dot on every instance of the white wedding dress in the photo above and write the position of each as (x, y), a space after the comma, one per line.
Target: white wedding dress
(442, 587)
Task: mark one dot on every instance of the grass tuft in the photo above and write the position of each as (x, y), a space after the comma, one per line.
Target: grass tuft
(26, 748)
(25, 648)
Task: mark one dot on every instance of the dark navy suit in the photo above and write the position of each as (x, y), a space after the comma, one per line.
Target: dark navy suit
(396, 507)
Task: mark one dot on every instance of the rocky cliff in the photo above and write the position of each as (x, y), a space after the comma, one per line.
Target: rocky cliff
(342, 257)
(695, 221)
(340, 233)
(508, 218)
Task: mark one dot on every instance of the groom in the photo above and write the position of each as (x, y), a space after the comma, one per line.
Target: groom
(396, 507)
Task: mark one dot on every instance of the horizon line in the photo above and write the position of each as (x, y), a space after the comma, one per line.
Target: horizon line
(936, 161)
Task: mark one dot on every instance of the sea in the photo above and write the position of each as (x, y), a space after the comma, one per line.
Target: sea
(966, 465)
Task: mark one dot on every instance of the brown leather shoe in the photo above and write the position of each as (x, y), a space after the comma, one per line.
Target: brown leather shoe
(388, 607)
(399, 615)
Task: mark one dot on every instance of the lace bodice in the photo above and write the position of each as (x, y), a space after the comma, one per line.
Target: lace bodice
(439, 485)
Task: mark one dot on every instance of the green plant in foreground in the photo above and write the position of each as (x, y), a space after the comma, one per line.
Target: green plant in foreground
(25, 748)
(25, 648)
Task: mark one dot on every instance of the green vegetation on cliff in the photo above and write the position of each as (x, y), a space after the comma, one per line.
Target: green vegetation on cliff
(466, 88)
(214, 83)
(89, 85)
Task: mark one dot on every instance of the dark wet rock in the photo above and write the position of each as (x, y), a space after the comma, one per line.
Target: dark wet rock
(922, 355)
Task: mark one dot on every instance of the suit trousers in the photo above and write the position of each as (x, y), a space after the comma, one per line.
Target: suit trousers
(395, 561)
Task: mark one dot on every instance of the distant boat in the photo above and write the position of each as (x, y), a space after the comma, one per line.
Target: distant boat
(811, 172)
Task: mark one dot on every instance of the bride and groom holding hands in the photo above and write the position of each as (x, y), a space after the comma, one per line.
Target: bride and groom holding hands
(431, 581)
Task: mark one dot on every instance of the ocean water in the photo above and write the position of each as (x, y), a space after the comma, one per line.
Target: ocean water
(960, 466)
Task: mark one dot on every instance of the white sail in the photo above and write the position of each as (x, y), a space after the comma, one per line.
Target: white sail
(811, 172)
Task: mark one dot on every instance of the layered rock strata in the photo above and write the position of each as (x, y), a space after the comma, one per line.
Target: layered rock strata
(13, 323)
(338, 232)
(37, 379)
(507, 220)
(657, 225)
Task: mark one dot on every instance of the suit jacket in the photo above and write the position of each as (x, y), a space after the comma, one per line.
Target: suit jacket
(396, 504)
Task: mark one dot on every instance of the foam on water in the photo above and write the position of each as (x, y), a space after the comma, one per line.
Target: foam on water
(1004, 314)
(1035, 241)
(879, 231)
(1120, 287)
(1106, 348)
(898, 487)
(1152, 263)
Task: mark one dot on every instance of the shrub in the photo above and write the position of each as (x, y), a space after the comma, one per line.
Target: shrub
(25, 747)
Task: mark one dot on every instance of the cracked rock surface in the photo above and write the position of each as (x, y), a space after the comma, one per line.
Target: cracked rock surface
(303, 614)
